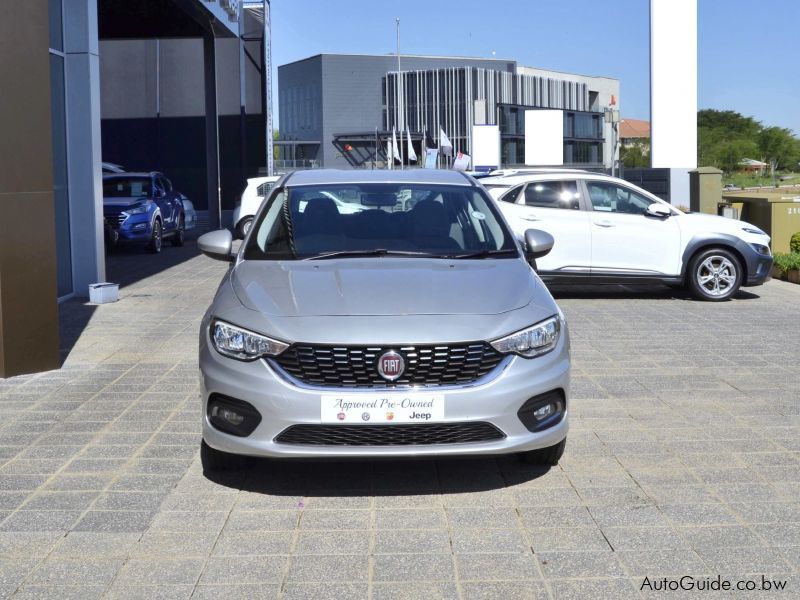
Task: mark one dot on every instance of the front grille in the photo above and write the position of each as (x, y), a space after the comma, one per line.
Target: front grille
(356, 366)
(115, 221)
(411, 434)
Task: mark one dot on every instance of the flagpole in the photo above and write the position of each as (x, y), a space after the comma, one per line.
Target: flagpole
(400, 120)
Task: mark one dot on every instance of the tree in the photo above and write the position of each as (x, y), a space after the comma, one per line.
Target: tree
(725, 137)
(635, 155)
(779, 146)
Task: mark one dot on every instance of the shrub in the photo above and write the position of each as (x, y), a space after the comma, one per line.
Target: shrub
(787, 262)
(683, 208)
(794, 243)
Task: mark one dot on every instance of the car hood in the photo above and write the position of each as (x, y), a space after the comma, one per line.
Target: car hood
(384, 286)
(123, 203)
(715, 224)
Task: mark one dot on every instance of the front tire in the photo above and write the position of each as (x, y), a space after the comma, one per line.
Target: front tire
(243, 228)
(217, 461)
(714, 274)
(179, 237)
(544, 457)
(156, 238)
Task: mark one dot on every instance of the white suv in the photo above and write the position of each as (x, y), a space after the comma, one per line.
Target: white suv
(252, 197)
(610, 231)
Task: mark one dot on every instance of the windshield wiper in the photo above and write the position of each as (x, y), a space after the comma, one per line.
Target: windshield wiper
(485, 253)
(375, 252)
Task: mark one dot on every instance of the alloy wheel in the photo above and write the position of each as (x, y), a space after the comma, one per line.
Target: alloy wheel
(716, 275)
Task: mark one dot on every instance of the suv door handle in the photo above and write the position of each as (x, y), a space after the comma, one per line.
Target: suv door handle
(604, 223)
(531, 218)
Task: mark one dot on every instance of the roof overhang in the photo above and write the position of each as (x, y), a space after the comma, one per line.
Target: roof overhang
(144, 19)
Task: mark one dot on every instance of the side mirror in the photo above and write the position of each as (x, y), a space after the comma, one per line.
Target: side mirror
(538, 243)
(216, 244)
(658, 210)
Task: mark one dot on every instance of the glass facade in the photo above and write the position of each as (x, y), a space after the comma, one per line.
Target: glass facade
(583, 136)
(59, 131)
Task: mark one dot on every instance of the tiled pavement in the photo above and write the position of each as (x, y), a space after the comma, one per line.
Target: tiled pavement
(683, 459)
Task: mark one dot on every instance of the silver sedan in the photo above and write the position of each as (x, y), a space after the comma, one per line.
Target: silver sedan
(414, 326)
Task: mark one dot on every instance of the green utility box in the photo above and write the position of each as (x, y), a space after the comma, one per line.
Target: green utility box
(776, 212)
(705, 190)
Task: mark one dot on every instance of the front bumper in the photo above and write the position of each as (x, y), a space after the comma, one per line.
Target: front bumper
(759, 266)
(496, 399)
(135, 228)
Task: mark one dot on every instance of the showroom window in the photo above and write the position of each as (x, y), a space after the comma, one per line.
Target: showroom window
(59, 130)
(553, 194)
(607, 197)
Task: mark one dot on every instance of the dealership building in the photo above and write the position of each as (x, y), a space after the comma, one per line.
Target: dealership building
(338, 110)
(154, 85)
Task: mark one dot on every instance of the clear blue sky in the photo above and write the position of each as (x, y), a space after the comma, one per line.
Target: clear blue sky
(749, 54)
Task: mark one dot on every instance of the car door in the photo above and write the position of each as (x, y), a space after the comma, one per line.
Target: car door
(625, 239)
(166, 203)
(556, 207)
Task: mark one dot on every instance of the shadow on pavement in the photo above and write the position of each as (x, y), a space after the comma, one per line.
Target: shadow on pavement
(73, 315)
(127, 264)
(389, 477)
(628, 292)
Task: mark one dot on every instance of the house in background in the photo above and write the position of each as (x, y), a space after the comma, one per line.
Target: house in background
(753, 166)
(634, 138)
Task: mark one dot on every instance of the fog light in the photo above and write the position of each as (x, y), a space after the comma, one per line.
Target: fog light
(140, 227)
(543, 412)
(232, 416)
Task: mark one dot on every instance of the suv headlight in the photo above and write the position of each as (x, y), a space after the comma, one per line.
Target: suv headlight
(534, 341)
(754, 230)
(138, 209)
(241, 344)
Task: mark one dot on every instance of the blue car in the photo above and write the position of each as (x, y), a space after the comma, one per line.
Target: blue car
(142, 208)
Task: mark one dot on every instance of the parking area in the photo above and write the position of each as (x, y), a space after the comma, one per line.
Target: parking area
(683, 459)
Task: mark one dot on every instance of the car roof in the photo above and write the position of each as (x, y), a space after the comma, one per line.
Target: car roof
(512, 180)
(419, 176)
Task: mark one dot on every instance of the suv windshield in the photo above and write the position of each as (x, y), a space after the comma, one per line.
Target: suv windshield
(126, 187)
(379, 219)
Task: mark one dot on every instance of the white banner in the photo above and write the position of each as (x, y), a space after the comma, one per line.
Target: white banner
(431, 156)
(461, 163)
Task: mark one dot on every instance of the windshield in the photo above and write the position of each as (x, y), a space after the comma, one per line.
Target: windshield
(379, 219)
(126, 187)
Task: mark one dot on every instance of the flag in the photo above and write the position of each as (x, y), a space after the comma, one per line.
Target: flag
(389, 154)
(412, 156)
(395, 151)
(444, 142)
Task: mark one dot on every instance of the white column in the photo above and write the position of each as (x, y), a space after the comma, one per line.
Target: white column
(84, 154)
(673, 83)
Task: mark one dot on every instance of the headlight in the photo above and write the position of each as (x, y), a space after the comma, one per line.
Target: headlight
(753, 230)
(241, 344)
(137, 209)
(533, 341)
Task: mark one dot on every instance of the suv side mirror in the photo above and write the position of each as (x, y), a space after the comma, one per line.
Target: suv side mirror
(216, 245)
(658, 210)
(538, 243)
